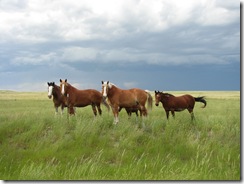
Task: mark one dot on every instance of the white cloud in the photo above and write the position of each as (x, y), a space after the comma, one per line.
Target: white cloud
(42, 20)
(154, 32)
(217, 13)
(34, 59)
(79, 54)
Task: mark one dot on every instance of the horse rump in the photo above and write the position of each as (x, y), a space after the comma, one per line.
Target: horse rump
(149, 100)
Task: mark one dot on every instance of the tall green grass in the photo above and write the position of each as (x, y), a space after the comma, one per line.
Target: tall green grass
(36, 144)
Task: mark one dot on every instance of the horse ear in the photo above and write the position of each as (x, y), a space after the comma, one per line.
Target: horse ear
(155, 91)
(53, 83)
(107, 82)
(48, 83)
(60, 80)
(65, 80)
(102, 82)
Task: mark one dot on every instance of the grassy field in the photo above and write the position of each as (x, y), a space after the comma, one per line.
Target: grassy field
(36, 144)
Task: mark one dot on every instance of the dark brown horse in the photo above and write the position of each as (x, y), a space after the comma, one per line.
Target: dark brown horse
(176, 104)
(82, 98)
(119, 98)
(58, 98)
(132, 109)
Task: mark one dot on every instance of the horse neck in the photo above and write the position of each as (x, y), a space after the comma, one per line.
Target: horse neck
(113, 90)
(166, 97)
(70, 88)
(56, 91)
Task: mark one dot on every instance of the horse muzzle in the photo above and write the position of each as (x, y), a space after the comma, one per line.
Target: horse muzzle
(49, 96)
(156, 104)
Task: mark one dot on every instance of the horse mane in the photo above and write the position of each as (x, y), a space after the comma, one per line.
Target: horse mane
(69, 85)
(167, 94)
(110, 84)
(55, 85)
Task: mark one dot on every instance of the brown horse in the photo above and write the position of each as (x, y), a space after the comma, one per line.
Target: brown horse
(82, 98)
(176, 104)
(119, 98)
(58, 98)
(132, 109)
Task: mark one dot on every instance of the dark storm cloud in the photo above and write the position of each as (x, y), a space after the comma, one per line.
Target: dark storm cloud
(129, 41)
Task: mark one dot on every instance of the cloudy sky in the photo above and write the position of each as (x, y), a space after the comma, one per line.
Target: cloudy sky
(155, 45)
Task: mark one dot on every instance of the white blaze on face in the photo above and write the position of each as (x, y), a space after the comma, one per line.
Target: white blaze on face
(62, 89)
(105, 89)
(50, 91)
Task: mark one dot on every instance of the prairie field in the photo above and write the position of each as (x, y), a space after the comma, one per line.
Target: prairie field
(36, 144)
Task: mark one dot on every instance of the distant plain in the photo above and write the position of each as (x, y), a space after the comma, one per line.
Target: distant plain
(36, 144)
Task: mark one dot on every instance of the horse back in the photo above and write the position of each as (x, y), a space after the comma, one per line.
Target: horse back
(132, 97)
(179, 103)
(123, 98)
(85, 97)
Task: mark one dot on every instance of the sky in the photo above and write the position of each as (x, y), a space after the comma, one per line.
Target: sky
(167, 45)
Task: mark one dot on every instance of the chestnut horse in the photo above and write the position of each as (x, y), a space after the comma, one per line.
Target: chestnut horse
(119, 98)
(82, 98)
(176, 104)
(58, 98)
(132, 109)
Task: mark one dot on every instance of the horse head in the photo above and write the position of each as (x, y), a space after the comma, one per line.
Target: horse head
(158, 97)
(50, 89)
(63, 86)
(105, 88)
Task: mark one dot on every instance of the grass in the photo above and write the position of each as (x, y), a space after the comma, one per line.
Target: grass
(37, 145)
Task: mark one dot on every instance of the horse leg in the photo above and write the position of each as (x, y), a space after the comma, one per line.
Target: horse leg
(137, 113)
(71, 110)
(144, 110)
(62, 109)
(94, 109)
(99, 109)
(116, 114)
(167, 114)
(128, 112)
(116, 118)
(173, 113)
(192, 114)
(56, 110)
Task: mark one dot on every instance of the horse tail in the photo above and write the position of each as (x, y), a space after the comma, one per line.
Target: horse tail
(201, 99)
(149, 100)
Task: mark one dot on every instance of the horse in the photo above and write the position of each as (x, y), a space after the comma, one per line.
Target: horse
(130, 110)
(177, 104)
(58, 98)
(119, 98)
(82, 98)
